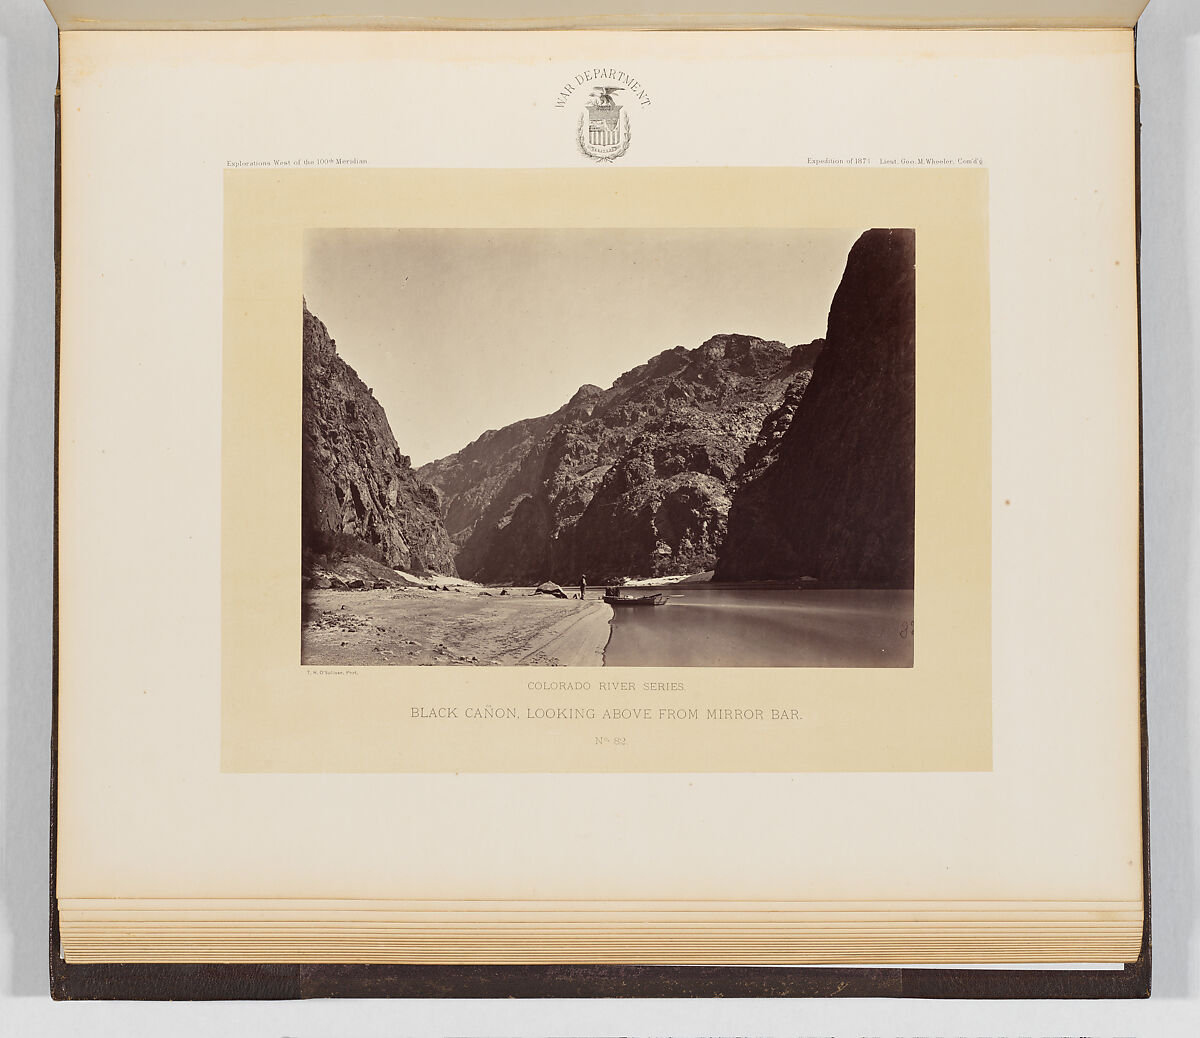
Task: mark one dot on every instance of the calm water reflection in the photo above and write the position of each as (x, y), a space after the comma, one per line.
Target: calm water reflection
(722, 627)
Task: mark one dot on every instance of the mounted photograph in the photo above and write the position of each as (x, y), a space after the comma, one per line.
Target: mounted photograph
(608, 447)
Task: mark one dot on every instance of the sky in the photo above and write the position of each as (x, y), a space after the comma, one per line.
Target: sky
(459, 331)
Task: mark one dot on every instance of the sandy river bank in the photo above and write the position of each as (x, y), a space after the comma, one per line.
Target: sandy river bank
(415, 626)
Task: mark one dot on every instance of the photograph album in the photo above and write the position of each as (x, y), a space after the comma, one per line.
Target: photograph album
(502, 463)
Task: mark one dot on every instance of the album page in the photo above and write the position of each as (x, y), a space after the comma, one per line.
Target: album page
(599, 467)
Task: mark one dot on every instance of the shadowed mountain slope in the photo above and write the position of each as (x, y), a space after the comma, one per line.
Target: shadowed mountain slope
(833, 498)
(355, 482)
(634, 480)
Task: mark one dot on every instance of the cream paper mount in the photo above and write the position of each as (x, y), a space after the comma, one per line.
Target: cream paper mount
(280, 716)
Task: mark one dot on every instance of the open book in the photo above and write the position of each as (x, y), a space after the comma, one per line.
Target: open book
(501, 471)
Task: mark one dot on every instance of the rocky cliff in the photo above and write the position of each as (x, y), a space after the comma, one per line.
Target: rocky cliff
(832, 495)
(356, 483)
(634, 480)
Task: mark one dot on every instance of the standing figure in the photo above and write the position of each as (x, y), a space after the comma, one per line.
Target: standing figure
(582, 587)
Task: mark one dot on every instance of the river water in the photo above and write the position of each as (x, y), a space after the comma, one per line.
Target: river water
(724, 627)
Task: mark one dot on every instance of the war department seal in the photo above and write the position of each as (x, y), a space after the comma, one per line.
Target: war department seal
(603, 131)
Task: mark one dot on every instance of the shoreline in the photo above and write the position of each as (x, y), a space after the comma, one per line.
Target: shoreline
(467, 626)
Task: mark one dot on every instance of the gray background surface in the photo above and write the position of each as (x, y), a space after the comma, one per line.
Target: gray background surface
(1169, 71)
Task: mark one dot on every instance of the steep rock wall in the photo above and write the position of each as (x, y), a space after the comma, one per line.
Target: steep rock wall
(355, 480)
(834, 497)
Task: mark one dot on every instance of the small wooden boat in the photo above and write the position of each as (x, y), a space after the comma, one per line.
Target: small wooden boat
(643, 600)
